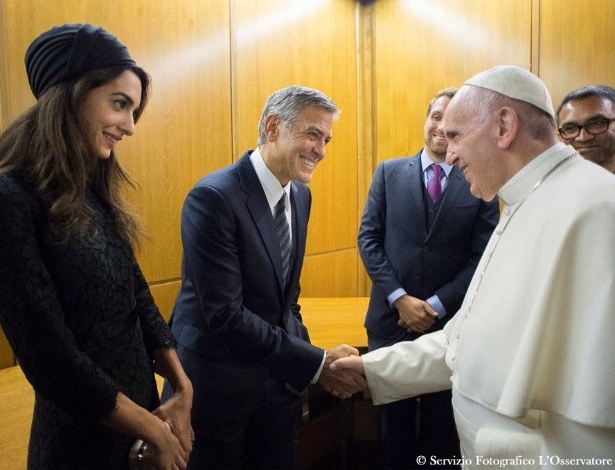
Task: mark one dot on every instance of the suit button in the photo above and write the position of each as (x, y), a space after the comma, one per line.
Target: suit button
(424, 249)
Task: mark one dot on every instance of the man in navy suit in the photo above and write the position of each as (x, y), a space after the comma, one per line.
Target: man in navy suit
(420, 251)
(236, 318)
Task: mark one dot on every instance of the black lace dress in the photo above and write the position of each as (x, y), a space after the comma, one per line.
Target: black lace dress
(82, 323)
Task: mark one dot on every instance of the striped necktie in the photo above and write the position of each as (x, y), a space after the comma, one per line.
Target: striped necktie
(283, 230)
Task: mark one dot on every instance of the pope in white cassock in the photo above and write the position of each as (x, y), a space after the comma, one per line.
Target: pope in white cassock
(530, 356)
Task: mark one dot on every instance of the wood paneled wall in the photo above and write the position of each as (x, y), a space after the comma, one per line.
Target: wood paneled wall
(575, 46)
(214, 62)
(423, 46)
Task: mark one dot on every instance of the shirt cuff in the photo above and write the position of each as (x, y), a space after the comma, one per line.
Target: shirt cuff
(396, 294)
(322, 364)
(435, 303)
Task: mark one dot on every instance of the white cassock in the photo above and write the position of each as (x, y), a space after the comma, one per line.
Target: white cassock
(531, 353)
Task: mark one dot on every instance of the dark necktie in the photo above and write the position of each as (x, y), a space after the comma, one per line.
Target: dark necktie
(434, 187)
(283, 230)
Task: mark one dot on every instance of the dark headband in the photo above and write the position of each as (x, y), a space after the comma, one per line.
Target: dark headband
(71, 50)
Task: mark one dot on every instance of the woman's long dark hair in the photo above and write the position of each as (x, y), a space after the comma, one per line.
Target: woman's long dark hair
(50, 147)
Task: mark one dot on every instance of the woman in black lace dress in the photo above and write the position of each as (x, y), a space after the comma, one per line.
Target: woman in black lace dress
(73, 302)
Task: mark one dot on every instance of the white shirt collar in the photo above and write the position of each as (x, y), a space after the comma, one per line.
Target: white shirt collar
(272, 187)
(426, 161)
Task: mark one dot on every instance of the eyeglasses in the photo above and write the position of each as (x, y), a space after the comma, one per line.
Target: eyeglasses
(571, 131)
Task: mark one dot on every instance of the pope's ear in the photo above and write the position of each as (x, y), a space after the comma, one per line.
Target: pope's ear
(508, 125)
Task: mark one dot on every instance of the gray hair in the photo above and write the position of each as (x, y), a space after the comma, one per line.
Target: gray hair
(288, 103)
(603, 91)
(483, 102)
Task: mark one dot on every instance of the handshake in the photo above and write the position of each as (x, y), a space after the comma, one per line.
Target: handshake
(342, 375)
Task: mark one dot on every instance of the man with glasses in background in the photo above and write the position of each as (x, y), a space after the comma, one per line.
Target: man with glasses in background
(584, 119)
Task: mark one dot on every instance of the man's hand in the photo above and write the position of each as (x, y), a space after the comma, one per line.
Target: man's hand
(342, 383)
(415, 315)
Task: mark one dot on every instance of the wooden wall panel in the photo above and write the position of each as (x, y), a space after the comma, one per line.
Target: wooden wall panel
(277, 43)
(4, 89)
(367, 133)
(186, 132)
(17, 405)
(576, 45)
(164, 295)
(7, 359)
(422, 46)
(332, 274)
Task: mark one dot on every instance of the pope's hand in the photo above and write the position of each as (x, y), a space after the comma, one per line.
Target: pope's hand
(351, 363)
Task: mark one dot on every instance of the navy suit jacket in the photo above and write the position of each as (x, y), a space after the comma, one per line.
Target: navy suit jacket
(398, 250)
(232, 305)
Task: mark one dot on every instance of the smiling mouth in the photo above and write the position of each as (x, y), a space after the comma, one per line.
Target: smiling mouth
(111, 138)
(308, 163)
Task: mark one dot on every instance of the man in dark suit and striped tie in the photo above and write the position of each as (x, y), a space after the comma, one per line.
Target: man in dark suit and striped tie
(236, 318)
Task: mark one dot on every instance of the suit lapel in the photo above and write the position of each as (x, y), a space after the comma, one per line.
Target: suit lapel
(416, 204)
(259, 209)
(455, 183)
(299, 229)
